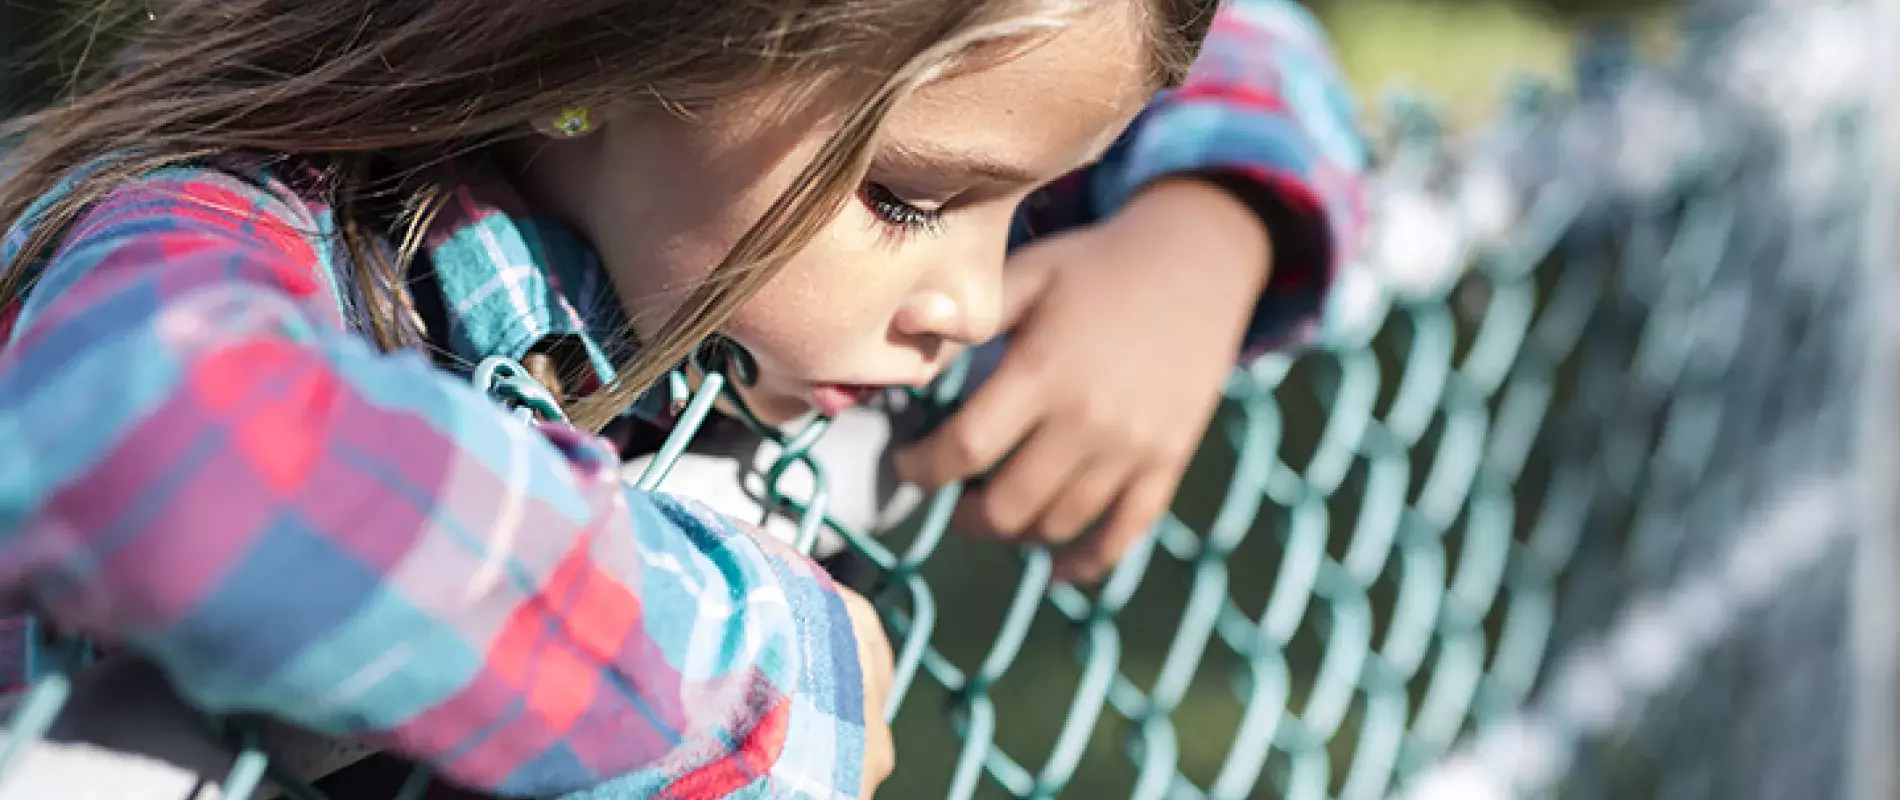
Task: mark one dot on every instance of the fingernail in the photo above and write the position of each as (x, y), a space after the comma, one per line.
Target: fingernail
(1081, 574)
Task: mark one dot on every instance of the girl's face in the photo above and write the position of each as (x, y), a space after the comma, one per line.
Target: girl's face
(905, 277)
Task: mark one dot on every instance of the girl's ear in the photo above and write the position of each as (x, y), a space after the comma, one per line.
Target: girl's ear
(572, 123)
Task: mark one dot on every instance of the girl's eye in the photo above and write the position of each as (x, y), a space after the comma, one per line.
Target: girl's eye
(902, 216)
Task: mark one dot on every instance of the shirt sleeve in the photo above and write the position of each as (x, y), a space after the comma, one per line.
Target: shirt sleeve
(199, 463)
(1267, 113)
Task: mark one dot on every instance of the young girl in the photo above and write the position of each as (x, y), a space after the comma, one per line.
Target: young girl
(255, 272)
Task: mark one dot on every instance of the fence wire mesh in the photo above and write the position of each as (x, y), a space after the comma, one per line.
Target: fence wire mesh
(1563, 477)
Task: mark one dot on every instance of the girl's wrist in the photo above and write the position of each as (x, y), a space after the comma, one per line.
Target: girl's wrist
(1216, 234)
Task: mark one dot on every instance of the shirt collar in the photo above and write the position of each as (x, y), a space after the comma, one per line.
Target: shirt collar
(510, 278)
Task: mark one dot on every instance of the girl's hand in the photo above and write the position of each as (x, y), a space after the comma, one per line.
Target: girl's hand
(876, 662)
(1121, 338)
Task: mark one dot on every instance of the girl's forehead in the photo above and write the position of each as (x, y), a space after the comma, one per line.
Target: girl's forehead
(1061, 101)
(1102, 53)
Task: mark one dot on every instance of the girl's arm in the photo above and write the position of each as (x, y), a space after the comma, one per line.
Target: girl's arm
(1266, 115)
(198, 462)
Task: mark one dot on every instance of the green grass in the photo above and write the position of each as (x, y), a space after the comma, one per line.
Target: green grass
(1457, 53)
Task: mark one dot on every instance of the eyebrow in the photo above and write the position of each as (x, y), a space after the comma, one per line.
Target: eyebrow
(942, 161)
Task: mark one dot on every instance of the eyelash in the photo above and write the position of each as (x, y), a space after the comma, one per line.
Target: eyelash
(902, 217)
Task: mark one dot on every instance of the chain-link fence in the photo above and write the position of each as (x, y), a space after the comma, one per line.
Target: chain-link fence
(1704, 633)
(1570, 477)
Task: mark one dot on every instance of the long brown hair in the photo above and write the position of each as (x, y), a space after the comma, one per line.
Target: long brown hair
(377, 91)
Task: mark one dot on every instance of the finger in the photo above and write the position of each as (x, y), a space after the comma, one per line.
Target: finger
(875, 661)
(1087, 496)
(875, 655)
(1133, 518)
(1027, 483)
(880, 755)
(979, 434)
(1025, 277)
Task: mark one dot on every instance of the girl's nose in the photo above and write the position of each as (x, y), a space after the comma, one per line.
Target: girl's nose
(959, 297)
(969, 314)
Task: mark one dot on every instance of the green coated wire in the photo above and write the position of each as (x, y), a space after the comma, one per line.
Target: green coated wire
(34, 717)
(248, 770)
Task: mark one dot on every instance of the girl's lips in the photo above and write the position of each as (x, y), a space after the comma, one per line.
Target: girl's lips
(833, 399)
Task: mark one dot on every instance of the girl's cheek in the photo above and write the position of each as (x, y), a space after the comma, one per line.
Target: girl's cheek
(838, 295)
(800, 333)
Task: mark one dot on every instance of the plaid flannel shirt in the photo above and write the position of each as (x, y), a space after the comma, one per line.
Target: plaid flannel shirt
(203, 461)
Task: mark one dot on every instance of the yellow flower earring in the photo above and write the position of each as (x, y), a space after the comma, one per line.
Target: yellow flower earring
(572, 122)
